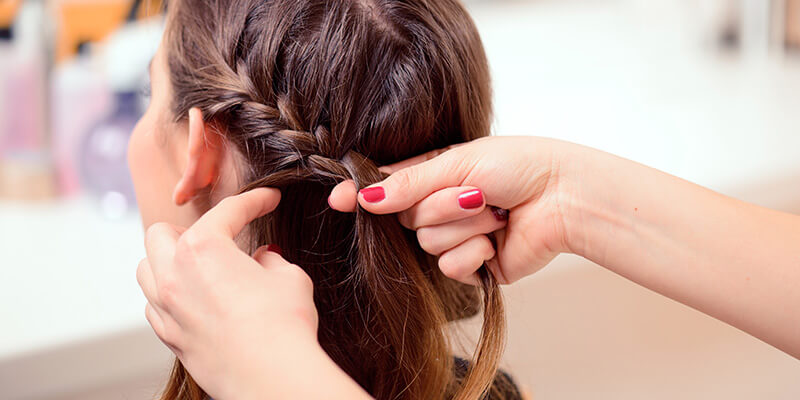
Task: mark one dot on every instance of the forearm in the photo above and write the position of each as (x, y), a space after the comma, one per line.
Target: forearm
(308, 374)
(732, 260)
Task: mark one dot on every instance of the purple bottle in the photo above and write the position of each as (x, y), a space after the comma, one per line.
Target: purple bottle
(103, 157)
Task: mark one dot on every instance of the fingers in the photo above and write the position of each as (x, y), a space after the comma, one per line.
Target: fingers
(146, 280)
(166, 332)
(344, 197)
(155, 321)
(519, 256)
(437, 239)
(233, 213)
(407, 186)
(160, 240)
(163, 324)
(444, 206)
(461, 262)
(392, 168)
(269, 256)
(159, 243)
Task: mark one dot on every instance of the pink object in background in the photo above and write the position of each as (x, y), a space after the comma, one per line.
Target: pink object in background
(25, 104)
(80, 98)
(26, 170)
(5, 54)
(23, 92)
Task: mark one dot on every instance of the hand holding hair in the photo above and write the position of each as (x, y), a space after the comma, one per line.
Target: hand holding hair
(261, 308)
(455, 198)
(735, 261)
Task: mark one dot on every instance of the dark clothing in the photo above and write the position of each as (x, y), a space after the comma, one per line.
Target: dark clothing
(503, 386)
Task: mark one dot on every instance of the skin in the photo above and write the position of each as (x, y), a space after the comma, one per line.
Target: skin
(735, 261)
(197, 279)
(179, 169)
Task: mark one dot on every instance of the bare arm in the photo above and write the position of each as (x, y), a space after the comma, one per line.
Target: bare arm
(732, 260)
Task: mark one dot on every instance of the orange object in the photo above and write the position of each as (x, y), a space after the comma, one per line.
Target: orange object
(82, 21)
(8, 9)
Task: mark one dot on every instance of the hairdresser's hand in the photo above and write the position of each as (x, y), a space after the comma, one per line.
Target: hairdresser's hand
(732, 260)
(239, 324)
(445, 196)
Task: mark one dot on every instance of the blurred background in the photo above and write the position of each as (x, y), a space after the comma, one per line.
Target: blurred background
(706, 90)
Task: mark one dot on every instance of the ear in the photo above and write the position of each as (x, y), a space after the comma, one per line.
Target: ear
(205, 150)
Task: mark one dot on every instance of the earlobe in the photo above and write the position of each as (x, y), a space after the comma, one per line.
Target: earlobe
(205, 151)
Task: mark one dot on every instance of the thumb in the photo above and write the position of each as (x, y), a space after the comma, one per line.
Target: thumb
(269, 256)
(407, 186)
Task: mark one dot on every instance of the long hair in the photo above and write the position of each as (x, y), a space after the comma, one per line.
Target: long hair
(312, 92)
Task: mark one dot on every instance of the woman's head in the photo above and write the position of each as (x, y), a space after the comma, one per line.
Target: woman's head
(301, 94)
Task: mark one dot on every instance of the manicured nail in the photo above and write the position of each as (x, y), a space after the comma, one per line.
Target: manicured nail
(501, 214)
(275, 249)
(373, 194)
(471, 199)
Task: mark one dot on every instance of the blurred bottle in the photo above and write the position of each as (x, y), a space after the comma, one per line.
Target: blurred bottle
(24, 88)
(25, 162)
(757, 29)
(6, 54)
(103, 164)
(756, 21)
(80, 98)
(104, 167)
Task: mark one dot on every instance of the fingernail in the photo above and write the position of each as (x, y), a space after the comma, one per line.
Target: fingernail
(501, 214)
(275, 249)
(471, 199)
(373, 194)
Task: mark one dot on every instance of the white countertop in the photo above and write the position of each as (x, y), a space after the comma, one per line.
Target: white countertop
(67, 274)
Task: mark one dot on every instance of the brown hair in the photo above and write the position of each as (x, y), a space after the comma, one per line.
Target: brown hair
(312, 92)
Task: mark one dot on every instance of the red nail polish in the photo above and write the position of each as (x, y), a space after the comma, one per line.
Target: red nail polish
(501, 214)
(373, 194)
(471, 199)
(275, 249)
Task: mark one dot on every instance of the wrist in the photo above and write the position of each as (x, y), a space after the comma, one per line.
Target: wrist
(590, 191)
(305, 371)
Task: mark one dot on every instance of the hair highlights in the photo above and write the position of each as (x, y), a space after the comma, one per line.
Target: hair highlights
(312, 92)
